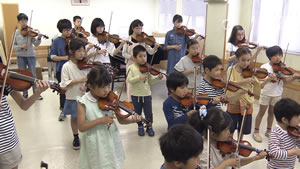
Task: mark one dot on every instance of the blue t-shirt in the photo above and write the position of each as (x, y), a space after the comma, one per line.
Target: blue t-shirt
(175, 113)
(58, 49)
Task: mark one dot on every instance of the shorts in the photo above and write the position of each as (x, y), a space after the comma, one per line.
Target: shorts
(237, 121)
(70, 107)
(268, 100)
(11, 159)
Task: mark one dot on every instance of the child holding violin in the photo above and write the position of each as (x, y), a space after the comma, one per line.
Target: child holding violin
(101, 144)
(175, 112)
(24, 48)
(73, 79)
(135, 29)
(181, 147)
(107, 48)
(271, 91)
(284, 143)
(59, 55)
(242, 105)
(218, 122)
(187, 65)
(10, 153)
(141, 92)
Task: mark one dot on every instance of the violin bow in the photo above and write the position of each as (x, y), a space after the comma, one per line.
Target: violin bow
(285, 52)
(208, 146)
(29, 26)
(123, 86)
(194, 91)
(187, 22)
(8, 62)
(107, 42)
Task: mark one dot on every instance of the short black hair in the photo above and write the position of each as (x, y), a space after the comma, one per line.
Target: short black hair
(137, 49)
(96, 23)
(22, 16)
(287, 108)
(176, 79)
(242, 51)
(75, 44)
(99, 76)
(234, 31)
(211, 62)
(64, 24)
(191, 42)
(181, 143)
(274, 50)
(177, 18)
(216, 118)
(76, 17)
(134, 24)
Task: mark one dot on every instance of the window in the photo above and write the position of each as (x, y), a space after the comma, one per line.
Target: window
(276, 23)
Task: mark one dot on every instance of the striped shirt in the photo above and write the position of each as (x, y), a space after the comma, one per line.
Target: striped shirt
(279, 144)
(8, 134)
(212, 92)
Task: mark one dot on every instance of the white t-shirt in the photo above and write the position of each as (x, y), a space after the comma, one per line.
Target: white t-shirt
(271, 89)
(99, 57)
(71, 72)
(231, 47)
(186, 63)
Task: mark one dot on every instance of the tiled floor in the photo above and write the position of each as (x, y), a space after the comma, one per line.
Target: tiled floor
(42, 137)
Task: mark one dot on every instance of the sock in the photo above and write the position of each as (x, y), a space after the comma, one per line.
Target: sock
(256, 130)
(76, 136)
(269, 129)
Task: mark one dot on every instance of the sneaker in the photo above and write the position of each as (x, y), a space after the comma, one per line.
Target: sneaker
(25, 96)
(141, 131)
(267, 133)
(150, 131)
(76, 143)
(40, 98)
(61, 116)
(257, 137)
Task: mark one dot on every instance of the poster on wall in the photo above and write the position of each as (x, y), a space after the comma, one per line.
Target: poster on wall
(80, 2)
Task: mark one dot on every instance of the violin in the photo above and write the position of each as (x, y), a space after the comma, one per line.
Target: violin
(249, 45)
(281, 67)
(250, 71)
(84, 64)
(219, 83)
(114, 38)
(183, 30)
(81, 33)
(123, 109)
(29, 31)
(294, 131)
(153, 71)
(22, 80)
(201, 99)
(197, 58)
(149, 40)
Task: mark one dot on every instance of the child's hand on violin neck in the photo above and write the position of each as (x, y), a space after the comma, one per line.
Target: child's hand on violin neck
(160, 76)
(136, 118)
(143, 77)
(260, 156)
(41, 86)
(233, 162)
(250, 80)
(273, 77)
(102, 51)
(108, 120)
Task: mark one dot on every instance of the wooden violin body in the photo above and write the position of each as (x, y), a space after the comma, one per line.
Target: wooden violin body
(153, 71)
(219, 83)
(28, 31)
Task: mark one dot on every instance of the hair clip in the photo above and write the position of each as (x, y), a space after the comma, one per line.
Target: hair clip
(202, 112)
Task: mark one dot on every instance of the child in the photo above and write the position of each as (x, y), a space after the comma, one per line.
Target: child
(24, 49)
(174, 112)
(219, 123)
(59, 55)
(283, 147)
(10, 153)
(187, 66)
(242, 105)
(213, 68)
(271, 92)
(181, 147)
(73, 80)
(141, 93)
(77, 24)
(98, 28)
(101, 144)
(175, 44)
(135, 29)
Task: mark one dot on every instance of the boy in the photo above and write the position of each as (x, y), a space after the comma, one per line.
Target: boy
(77, 24)
(141, 93)
(213, 68)
(181, 147)
(283, 147)
(24, 49)
(59, 55)
(174, 112)
(271, 91)
(10, 153)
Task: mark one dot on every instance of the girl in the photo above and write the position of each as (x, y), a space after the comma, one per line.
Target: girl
(242, 105)
(219, 132)
(97, 28)
(237, 35)
(73, 80)
(186, 65)
(101, 141)
(135, 29)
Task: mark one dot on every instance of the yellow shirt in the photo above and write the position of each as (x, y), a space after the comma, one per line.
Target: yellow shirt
(139, 87)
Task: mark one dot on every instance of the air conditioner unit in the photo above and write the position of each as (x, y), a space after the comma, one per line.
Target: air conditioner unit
(220, 1)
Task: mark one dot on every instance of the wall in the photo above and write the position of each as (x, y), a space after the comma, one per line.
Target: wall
(46, 14)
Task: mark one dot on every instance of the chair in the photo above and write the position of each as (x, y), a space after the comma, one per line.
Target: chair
(119, 66)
